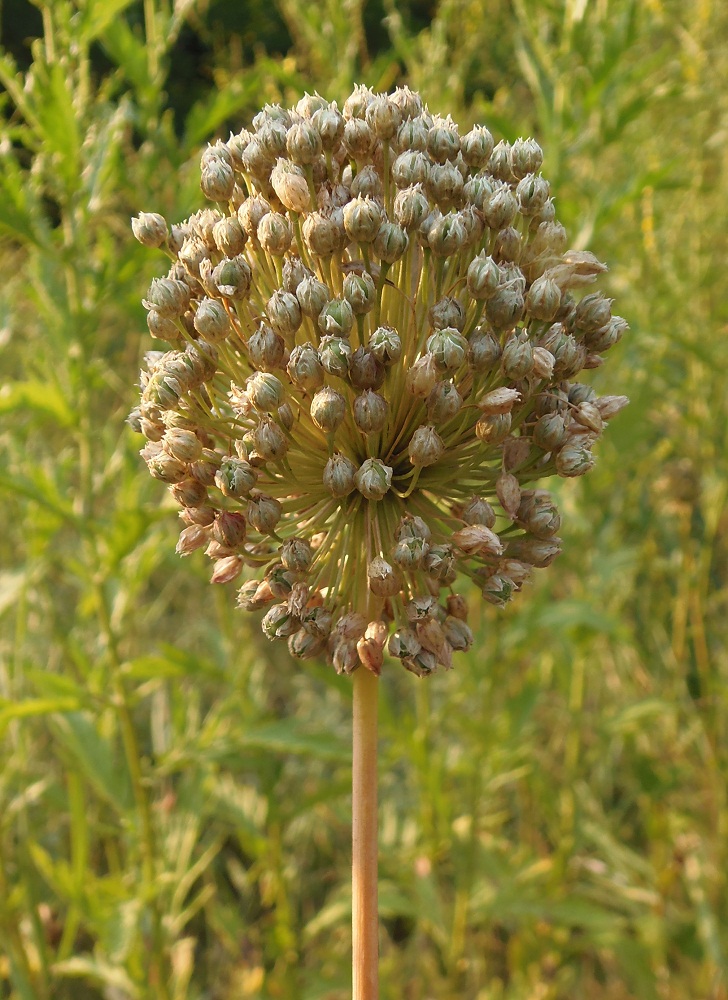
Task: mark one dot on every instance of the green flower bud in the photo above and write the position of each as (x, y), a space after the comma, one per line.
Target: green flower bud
(275, 234)
(411, 207)
(478, 190)
(500, 209)
(235, 477)
(362, 219)
(328, 410)
(336, 318)
(212, 321)
(444, 184)
(508, 245)
(168, 297)
(373, 479)
(538, 514)
(365, 370)
(484, 351)
(448, 347)
(505, 308)
(517, 357)
(477, 147)
(498, 589)
(443, 403)
(284, 313)
(410, 169)
(266, 348)
(305, 368)
(232, 277)
(360, 292)
(386, 345)
(447, 236)
(335, 353)
(411, 135)
(426, 446)
(532, 194)
(443, 141)
(390, 243)
(290, 184)
(526, 157)
(499, 163)
(150, 229)
(370, 412)
(305, 646)
(573, 460)
(272, 138)
(593, 312)
(483, 277)
(543, 299)
(264, 512)
(339, 475)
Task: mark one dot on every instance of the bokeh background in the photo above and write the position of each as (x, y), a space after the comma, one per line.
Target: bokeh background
(174, 791)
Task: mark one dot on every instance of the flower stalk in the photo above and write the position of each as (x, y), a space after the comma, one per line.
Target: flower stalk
(364, 914)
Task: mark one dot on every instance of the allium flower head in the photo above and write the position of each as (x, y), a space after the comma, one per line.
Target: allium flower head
(375, 334)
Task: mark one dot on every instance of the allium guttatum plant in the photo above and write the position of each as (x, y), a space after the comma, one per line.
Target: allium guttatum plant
(375, 336)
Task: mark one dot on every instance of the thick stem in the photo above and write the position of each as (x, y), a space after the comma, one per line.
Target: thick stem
(364, 914)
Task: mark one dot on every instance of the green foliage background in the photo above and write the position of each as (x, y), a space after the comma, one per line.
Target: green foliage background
(174, 811)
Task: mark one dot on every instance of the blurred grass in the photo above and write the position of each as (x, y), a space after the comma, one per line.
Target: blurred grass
(174, 795)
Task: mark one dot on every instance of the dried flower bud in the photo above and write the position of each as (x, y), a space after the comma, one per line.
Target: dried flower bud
(275, 234)
(305, 368)
(370, 412)
(365, 371)
(328, 410)
(474, 539)
(339, 475)
(443, 403)
(264, 512)
(426, 446)
(500, 400)
(384, 580)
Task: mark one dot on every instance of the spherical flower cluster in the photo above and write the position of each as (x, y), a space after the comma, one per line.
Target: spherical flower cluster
(374, 350)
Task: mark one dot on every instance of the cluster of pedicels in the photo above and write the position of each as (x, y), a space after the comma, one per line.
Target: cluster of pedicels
(374, 346)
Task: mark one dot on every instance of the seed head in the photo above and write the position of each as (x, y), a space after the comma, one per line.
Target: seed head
(374, 340)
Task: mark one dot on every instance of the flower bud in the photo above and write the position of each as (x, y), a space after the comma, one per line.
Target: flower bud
(443, 141)
(193, 537)
(477, 147)
(447, 236)
(251, 213)
(362, 219)
(328, 410)
(189, 493)
(543, 363)
(501, 400)
(212, 321)
(365, 371)
(329, 124)
(411, 207)
(264, 512)
(573, 460)
(517, 357)
(269, 440)
(446, 312)
(500, 209)
(279, 622)
(478, 512)
(508, 491)
(184, 445)
(403, 643)
(305, 368)
(266, 348)
(384, 580)
(317, 621)
(390, 243)
(217, 180)
(229, 528)
(425, 447)
(312, 296)
(168, 297)
(336, 318)
(411, 134)
(162, 327)
(410, 553)
(593, 312)
(449, 348)
(370, 412)
(549, 431)
(386, 345)
(235, 477)
(373, 479)
(422, 376)
(532, 194)
(505, 308)
(360, 292)
(339, 474)
(543, 299)
(493, 429)
(444, 184)
(150, 229)
(335, 353)
(283, 312)
(303, 143)
(443, 403)
(498, 589)
(534, 551)
(296, 555)
(484, 351)
(440, 564)
(289, 183)
(476, 539)
(383, 117)
(227, 569)
(294, 272)
(409, 170)
(610, 406)
(232, 277)
(275, 234)
(483, 277)
(254, 595)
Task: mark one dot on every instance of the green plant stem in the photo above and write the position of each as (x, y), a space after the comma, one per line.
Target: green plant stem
(364, 908)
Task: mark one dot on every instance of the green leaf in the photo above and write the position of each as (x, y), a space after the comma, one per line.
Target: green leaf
(29, 707)
(97, 971)
(98, 15)
(37, 397)
(96, 758)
